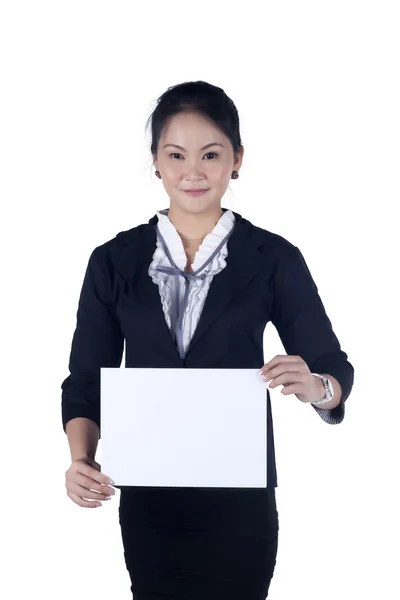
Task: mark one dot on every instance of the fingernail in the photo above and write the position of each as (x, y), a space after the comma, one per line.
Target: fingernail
(111, 482)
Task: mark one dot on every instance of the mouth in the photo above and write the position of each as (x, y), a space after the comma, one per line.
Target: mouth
(198, 192)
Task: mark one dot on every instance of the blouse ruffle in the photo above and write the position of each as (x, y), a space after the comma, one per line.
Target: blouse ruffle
(199, 288)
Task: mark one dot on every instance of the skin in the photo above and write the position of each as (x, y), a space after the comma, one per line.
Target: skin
(193, 167)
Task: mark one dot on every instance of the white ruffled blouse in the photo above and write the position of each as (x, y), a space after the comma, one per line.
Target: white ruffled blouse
(199, 287)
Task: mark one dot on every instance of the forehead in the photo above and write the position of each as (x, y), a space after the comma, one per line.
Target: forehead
(191, 127)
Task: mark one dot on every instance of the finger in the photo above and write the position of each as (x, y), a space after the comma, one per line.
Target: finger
(93, 473)
(292, 366)
(282, 358)
(84, 492)
(273, 362)
(271, 369)
(288, 378)
(292, 389)
(89, 483)
(81, 502)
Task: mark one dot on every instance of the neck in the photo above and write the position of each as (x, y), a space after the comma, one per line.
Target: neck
(193, 228)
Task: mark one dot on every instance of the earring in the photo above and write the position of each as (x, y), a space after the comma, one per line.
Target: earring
(158, 174)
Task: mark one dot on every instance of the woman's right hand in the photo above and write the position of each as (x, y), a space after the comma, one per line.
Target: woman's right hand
(84, 480)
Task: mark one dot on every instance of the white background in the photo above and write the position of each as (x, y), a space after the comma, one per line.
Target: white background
(316, 85)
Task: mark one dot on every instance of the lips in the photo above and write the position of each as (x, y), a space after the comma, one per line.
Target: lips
(195, 193)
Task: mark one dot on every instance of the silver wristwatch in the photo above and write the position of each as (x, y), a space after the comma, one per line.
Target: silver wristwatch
(328, 390)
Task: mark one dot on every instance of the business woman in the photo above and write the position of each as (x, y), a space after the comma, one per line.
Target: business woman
(194, 288)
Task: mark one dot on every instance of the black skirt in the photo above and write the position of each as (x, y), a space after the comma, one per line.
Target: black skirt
(199, 543)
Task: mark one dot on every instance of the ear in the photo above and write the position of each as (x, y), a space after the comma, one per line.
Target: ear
(239, 159)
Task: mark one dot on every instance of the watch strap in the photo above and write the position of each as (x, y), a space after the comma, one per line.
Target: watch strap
(328, 390)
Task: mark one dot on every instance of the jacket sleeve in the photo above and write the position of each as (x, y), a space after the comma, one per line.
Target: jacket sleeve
(305, 329)
(97, 342)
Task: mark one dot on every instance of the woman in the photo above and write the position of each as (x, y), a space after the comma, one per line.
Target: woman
(195, 287)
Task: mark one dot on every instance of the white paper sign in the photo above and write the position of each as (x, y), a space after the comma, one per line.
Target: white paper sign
(184, 427)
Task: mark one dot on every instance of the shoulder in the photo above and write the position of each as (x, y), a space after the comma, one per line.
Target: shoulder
(122, 239)
(280, 258)
(114, 250)
(271, 244)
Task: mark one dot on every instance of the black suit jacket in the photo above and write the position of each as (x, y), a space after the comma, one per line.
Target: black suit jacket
(266, 279)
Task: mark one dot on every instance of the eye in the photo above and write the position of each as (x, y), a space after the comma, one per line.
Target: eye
(208, 153)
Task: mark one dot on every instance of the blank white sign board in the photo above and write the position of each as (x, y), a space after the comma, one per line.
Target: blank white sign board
(184, 427)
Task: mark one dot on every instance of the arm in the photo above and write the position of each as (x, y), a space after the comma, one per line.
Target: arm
(83, 436)
(97, 342)
(305, 329)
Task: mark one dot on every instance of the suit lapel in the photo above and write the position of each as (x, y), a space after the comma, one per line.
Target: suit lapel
(132, 259)
(243, 263)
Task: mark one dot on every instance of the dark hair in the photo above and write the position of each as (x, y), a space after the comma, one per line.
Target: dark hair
(210, 101)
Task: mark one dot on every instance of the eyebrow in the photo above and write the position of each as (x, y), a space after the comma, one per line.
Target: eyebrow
(203, 148)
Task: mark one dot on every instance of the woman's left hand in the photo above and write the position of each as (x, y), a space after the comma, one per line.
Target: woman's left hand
(293, 373)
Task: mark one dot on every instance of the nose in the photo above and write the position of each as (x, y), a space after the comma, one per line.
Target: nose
(193, 170)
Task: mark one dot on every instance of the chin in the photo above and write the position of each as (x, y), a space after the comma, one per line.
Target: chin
(197, 205)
